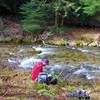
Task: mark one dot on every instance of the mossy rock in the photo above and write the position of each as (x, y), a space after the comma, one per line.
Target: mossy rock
(79, 43)
(59, 42)
(19, 40)
(35, 52)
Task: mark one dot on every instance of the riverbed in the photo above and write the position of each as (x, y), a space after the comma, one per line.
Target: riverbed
(80, 67)
(24, 57)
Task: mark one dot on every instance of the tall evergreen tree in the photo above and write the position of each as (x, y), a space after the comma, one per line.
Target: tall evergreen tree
(38, 14)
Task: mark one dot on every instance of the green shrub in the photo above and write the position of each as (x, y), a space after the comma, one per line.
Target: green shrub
(44, 89)
(36, 15)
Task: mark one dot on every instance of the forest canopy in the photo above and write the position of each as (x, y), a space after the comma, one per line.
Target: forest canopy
(40, 14)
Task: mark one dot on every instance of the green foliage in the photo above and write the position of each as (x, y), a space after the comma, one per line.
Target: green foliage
(47, 90)
(91, 7)
(39, 15)
(35, 15)
(62, 9)
(71, 88)
(79, 43)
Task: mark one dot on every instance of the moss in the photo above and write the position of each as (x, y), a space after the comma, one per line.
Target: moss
(59, 41)
(79, 43)
(35, 52)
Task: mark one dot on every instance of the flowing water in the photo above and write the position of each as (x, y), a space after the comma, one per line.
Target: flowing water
(75, 61)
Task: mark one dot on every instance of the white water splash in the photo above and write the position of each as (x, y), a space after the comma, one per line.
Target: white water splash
(28, 62)
(81, 71)
(12, 61)
(89, 77)
(83, 50)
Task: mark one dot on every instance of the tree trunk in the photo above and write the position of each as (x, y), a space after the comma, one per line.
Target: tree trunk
(62, 21)
(56, 19)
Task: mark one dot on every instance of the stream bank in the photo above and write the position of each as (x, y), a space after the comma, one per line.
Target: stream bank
(16, 62)
(77, 37)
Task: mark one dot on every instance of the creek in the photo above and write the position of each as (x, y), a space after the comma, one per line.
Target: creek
(70, 60)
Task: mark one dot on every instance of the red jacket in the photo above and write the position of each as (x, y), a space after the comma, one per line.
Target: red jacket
(38, 67)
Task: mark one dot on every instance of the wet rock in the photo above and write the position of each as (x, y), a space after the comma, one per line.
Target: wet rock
(72, 43)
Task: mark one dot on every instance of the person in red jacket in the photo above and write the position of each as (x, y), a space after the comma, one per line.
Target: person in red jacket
(38, 68)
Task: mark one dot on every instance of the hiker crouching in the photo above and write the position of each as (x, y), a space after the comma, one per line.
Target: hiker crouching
(41, 77)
